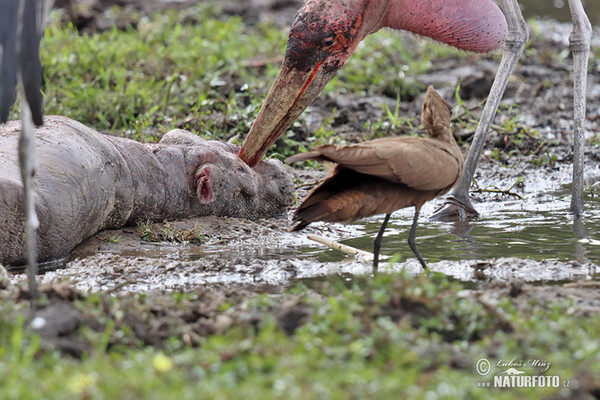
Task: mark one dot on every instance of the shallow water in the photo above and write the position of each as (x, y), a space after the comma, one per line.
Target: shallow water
(512, 241)
(559, 9)
(532, 231)
(528, 240)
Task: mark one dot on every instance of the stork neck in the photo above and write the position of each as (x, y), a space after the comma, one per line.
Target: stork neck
(473, 25)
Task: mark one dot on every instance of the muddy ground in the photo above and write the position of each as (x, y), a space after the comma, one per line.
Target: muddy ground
(263, 256)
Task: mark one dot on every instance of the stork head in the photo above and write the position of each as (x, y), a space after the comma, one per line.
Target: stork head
(324, 34)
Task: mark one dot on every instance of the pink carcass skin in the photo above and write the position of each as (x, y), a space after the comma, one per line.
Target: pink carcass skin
(326, 32)
(87, 181)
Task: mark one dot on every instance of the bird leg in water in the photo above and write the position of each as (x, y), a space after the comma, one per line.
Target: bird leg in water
(580, 47)
(458, 203)
(411, 238)
(377, 243)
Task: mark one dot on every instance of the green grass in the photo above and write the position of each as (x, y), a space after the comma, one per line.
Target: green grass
(194, 70)
(392, 337)
(164, 73)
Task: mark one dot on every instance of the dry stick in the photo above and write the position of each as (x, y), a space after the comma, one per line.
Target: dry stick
(341, 247)
(501, 129)
(582, 284)
(468, 110)
(499, 191)
(307, 184)
(508, 191)
(121, 285)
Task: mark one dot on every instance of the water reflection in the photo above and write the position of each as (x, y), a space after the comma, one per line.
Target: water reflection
(534, 231)
(580, 232)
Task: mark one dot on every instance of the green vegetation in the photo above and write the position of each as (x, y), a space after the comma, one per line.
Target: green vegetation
(163, 74)
(391, 337)
(206, 72)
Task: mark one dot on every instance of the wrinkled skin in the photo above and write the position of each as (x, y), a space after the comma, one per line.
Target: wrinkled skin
(87, 182)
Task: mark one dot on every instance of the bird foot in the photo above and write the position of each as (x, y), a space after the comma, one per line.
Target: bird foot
(455, 209)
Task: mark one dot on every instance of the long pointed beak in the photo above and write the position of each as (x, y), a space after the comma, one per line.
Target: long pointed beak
(291, 93)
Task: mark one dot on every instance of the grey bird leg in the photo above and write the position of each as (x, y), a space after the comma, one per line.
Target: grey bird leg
(30, 26)
(458, 204)
(27, 163)
(377, 243)
(411, 238)
(580, 47)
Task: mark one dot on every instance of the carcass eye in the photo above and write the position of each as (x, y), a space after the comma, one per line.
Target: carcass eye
(328, 41)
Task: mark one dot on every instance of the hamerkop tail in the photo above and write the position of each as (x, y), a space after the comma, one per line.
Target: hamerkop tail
(384, 175)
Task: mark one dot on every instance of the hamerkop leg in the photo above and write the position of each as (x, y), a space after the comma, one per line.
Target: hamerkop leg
(377, 243)
(411, 237)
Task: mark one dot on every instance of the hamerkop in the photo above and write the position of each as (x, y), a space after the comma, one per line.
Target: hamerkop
(384, 175)
(22, 25)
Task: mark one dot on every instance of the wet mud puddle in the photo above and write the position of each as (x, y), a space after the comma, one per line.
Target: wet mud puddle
(528, 240)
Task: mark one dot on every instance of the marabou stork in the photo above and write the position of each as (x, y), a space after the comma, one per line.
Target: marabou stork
(326, 32)
(22, 24)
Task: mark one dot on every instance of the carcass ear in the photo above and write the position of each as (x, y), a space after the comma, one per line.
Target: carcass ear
(204, 190)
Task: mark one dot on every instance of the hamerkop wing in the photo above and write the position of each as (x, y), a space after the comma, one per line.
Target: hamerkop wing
(384, 175)
(432, 163)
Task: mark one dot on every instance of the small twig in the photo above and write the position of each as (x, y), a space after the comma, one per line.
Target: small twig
(508, 191)
(121, 285)
(539, 149)
(172, 267)
(498, 191)
(306, 184)
(468, 110)
(501, 129)
(519, 180)
(582, 284)
(113, 239)
(341, 247)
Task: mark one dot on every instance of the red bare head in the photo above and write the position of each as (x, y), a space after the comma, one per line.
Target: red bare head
(326, 32)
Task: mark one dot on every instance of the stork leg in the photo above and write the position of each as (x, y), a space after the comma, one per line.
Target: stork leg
(579, 41)
(31, 17)
(411, 238)
(377, 243)
(457, 204)
(27, 162)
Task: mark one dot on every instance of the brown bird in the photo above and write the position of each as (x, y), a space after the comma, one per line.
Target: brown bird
(384, 175)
